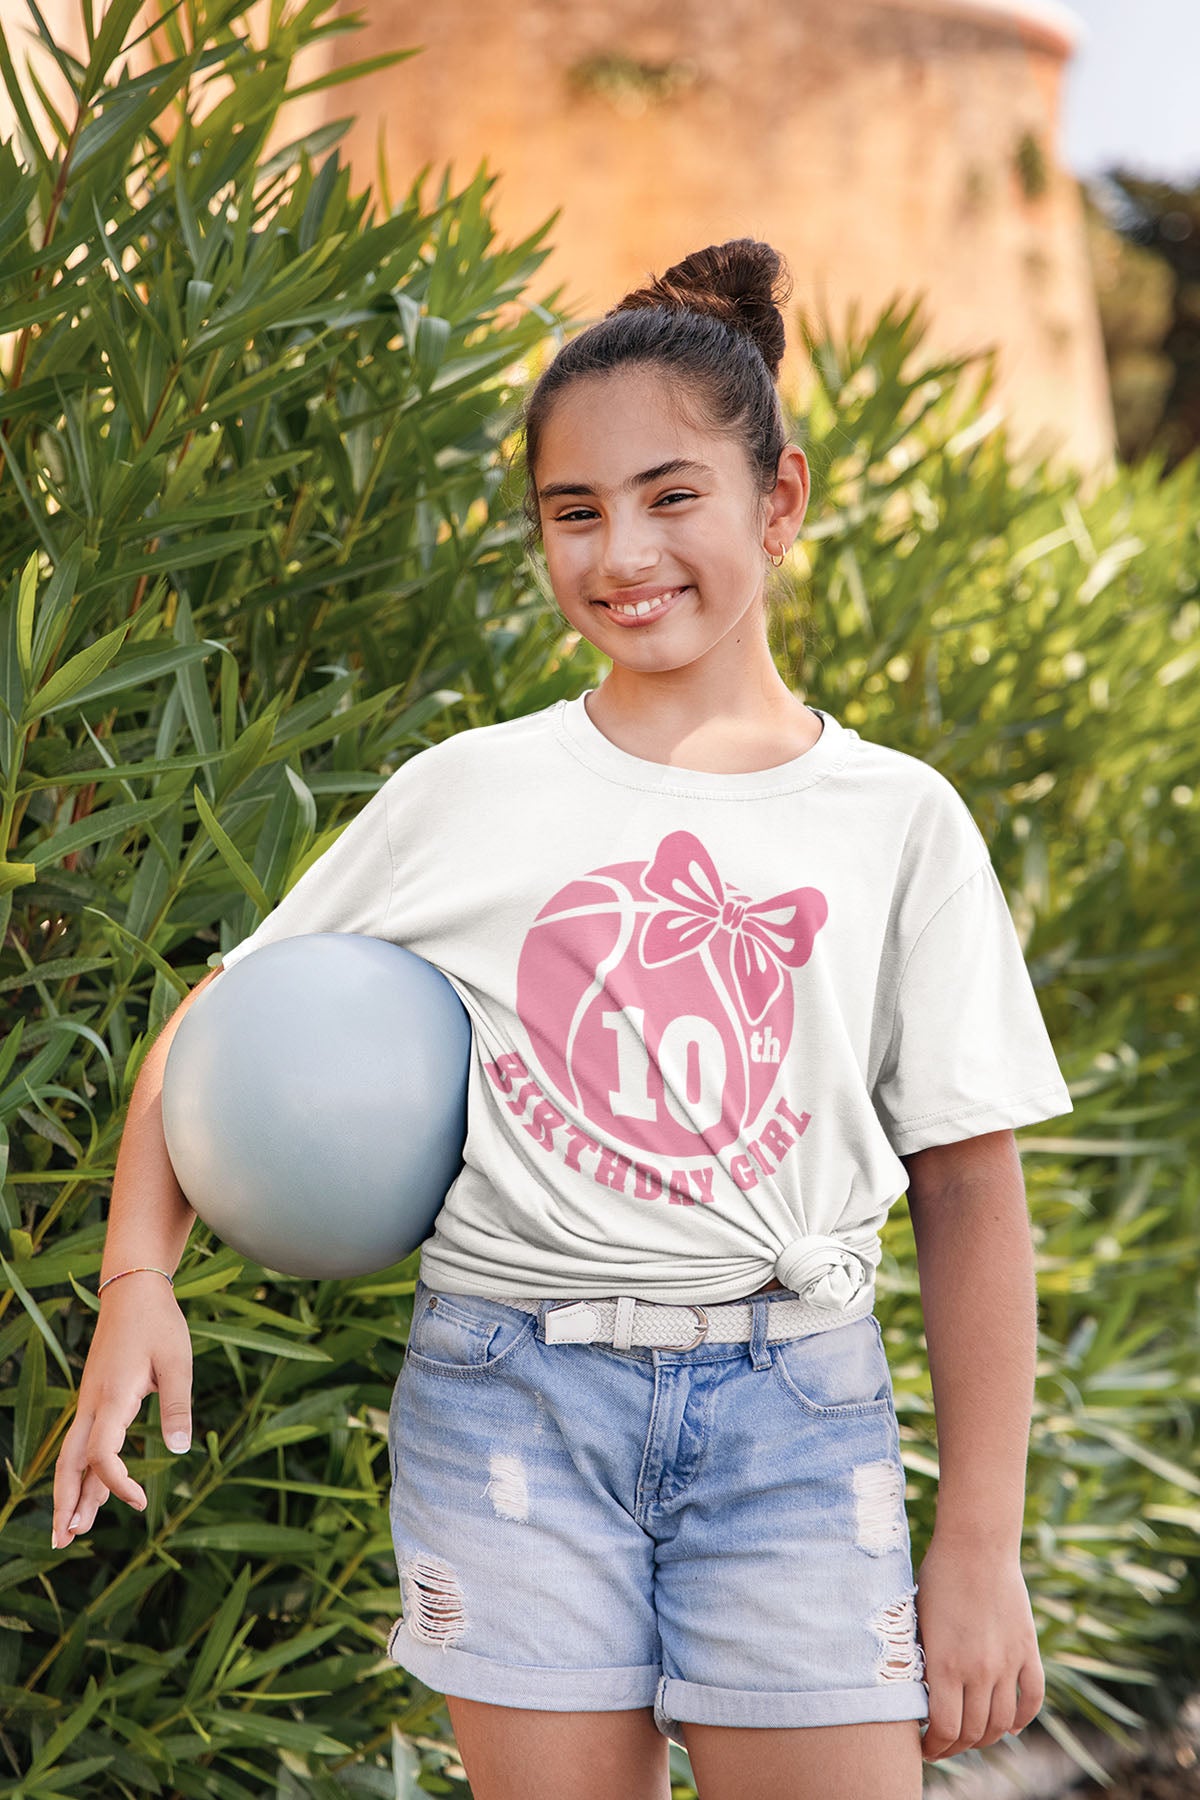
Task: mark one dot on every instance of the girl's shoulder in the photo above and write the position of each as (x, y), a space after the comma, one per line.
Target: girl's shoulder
(481, 746)
(911, 790)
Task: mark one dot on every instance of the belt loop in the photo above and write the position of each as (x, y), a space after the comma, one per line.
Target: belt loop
(543, 1307)
(760, 1308)
(622, 1337)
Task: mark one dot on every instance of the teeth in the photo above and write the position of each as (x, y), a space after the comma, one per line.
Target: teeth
(644, 606)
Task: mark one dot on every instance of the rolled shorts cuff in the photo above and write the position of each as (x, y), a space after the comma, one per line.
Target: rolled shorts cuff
(468, 1677)
(679, 1703)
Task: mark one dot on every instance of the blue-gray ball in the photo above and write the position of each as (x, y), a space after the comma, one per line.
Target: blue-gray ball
(314, 1103)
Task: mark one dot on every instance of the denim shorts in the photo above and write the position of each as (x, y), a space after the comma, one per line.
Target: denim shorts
(716, 1532)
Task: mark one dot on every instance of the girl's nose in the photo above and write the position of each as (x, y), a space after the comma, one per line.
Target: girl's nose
(627, 554)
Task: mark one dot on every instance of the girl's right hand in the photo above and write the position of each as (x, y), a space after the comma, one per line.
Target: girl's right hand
(141, 1345)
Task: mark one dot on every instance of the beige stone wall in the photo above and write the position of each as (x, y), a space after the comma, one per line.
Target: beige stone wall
(873, 141)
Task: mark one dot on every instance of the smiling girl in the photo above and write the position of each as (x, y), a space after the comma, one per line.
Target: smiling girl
(738, 979)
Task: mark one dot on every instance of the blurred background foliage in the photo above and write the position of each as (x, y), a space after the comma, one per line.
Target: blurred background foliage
(1143, 238)
(260, 542)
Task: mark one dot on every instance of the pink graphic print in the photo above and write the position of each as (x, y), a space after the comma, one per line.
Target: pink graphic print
(658, 1000)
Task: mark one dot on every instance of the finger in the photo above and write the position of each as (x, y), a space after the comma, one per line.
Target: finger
(1031, 1685)
(175, 1404)
(108, 1435)
(116, 1479)
(91, 1499)
(1000, 1713)
(945, 1716)
(976, 1707)
(69, 1472)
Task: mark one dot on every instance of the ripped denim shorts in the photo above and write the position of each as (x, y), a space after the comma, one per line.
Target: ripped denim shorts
(716, 1532)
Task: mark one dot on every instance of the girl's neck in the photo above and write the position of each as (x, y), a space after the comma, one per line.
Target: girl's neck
(658, 721)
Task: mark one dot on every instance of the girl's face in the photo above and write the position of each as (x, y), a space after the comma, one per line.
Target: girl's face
(637, 506)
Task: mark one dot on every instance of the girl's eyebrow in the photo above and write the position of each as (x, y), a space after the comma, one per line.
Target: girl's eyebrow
(678, 466)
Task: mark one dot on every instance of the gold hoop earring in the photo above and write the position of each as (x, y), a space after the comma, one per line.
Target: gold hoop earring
(782, 555)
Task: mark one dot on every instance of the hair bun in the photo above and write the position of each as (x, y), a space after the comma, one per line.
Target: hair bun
(743, 282)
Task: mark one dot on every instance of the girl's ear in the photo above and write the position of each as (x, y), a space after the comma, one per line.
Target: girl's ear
(787, 502)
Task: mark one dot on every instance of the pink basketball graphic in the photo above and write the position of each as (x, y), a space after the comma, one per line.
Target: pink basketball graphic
(659, 1001)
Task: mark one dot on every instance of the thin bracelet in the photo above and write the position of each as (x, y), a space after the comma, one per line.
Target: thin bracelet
(142, 1269)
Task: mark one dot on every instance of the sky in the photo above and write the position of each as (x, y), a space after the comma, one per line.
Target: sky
(1132, 90)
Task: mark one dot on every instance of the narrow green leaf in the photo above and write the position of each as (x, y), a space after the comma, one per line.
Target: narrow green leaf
(126, 116)
(246, 1537)
(35, 1312)
(217, 1637)
(99, 827)
(26, 602)
(249, 1670)
(29, 1422)
(307, 805)
(8, 1055)
(367, 65)
(143, 665)
(174, 556)
(1141, 1453)
(219, 1332)
(151, 956)
(104, 773)
(242, 873)
(66, 682)
(319, 1490)
(69, 65)
(262, 1727)
(70, 1778)
(16, 874)
(66, 1733)
(60, 591)
(33, 508)
(58, 124)
(116, 343)
(251, 749)
(193, 691)
(113, 259)
(433, 338)
(189, 223)
(20, 106)
(1052, 1720)
(115, 20)
(211, 1276)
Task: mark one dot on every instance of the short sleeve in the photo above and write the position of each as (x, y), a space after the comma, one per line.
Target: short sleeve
(348, 888)
(969, 1051)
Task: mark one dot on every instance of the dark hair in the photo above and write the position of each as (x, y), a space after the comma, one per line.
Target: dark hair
(713, 319)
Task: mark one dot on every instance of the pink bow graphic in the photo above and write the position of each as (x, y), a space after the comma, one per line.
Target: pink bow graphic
(767, 933)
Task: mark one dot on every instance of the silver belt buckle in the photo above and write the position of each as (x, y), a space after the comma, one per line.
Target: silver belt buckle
(702, 1316)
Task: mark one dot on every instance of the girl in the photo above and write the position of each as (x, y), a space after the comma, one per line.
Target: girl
(738, 979)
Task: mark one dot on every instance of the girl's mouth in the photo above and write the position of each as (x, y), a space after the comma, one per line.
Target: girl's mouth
(645, 611)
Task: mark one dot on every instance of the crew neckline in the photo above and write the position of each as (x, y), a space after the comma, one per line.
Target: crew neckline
(588, 743)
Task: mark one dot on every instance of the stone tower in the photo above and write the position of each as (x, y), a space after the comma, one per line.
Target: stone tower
(885, 146)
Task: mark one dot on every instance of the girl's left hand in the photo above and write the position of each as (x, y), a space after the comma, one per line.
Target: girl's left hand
(977, 1633)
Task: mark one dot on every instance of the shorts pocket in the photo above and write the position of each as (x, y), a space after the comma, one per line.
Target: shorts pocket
(463, 1334)
(835, 1373)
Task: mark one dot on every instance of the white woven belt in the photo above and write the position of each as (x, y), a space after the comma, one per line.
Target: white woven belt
(624, 1321)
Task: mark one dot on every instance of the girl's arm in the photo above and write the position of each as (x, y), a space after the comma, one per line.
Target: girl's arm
(140, 1343)
(149, 1218)
(978, 1293)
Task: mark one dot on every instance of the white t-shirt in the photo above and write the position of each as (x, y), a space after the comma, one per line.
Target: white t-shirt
(709, 1011)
